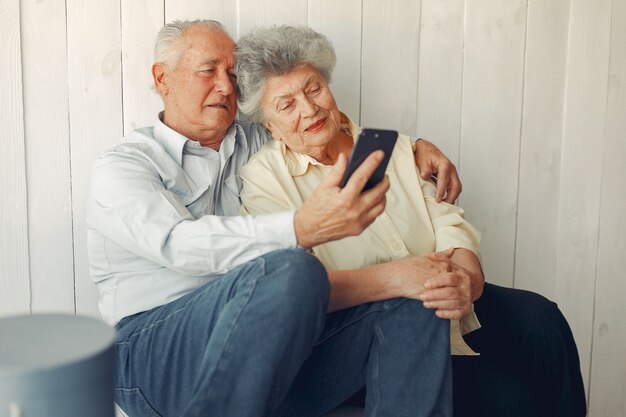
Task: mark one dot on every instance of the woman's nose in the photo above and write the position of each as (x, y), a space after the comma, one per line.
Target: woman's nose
(309, 108)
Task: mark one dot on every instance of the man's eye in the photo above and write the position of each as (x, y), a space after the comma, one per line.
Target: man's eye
(284, 106)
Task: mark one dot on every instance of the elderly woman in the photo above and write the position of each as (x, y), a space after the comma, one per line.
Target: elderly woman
(417, 248)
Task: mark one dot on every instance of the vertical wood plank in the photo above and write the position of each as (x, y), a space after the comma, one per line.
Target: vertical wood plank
(95, 98)
(14, 270)
(48, 155)
(141, 20)
(608, 370)
(540, 153)
(390, 54)
(490, 133)
(342, 25)
(224, 11)
(440, 77)
(253, 13)
(581, 168)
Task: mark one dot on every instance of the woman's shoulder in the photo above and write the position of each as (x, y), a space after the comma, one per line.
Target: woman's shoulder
(268, 157)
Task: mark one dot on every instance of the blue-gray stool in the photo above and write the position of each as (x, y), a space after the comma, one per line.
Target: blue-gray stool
(56, 365)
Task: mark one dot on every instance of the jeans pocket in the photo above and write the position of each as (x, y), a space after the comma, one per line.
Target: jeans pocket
(132, 401)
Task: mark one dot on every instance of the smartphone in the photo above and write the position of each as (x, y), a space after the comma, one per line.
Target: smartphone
(371, 140)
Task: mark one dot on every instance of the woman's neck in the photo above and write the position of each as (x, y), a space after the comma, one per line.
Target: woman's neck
(341, 143)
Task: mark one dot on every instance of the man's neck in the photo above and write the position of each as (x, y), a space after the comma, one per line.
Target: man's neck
(207, 138)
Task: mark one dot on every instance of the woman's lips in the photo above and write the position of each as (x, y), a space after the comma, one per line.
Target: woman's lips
(316, 126)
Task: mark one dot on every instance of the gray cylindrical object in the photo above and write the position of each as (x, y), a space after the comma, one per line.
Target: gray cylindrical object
(56, 365)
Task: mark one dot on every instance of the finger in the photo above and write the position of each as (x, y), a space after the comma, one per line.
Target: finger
(336, 173)
(426, 170)
(375, 195)
(454, 188)
(445, 293)
(363, 173)
(451, 314)
(373, 213)
(443, 178)
(443, 255)
(446, 304)
(443, 281)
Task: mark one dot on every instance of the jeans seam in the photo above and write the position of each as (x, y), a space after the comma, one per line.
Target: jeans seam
(144, 404)
(210, 374)
(347, 324)
(169, 316)
(375, 388)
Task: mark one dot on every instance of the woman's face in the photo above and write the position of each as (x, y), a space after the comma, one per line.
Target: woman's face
(300, 110)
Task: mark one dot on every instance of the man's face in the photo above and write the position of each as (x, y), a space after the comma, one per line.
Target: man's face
(200, 94)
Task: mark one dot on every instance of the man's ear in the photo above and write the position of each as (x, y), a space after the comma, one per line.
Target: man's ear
(159, 75)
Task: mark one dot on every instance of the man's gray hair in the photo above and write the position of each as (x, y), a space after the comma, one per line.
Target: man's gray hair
(168, 47)
(275, 51)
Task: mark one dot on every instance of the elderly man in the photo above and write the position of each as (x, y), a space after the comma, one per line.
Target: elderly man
(225, 315)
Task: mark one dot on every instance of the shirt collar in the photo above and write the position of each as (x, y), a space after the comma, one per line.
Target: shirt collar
(174, 143)
(298, 163)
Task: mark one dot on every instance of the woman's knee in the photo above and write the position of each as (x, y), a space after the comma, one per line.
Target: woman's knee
(413, 313)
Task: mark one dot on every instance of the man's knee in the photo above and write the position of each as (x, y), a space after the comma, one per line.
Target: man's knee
(297, 278)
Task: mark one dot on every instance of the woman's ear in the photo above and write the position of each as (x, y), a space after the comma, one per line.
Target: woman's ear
(268, 126)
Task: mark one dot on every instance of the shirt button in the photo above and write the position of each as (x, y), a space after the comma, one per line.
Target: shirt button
(397, 245)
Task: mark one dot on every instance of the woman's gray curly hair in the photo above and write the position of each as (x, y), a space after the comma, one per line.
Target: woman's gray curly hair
(275, 51)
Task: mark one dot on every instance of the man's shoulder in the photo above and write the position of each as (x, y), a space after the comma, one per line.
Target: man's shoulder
(136, 148)
(139, 142)
(255, 134)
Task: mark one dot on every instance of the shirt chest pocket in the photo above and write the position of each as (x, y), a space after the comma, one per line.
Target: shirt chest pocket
(190, 194)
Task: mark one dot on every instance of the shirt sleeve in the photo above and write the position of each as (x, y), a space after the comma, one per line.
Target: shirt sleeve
(451, 228)
(130, 205)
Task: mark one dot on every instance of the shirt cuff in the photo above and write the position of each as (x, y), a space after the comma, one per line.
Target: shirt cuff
(277, 228)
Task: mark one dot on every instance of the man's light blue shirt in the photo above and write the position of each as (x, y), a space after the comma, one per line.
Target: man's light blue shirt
(163, 217)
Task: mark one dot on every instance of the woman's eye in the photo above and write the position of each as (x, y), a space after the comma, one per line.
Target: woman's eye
(315, 88)
(284, 106)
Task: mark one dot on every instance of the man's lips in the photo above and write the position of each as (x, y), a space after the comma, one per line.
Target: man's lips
(314, 127)
(218, 106)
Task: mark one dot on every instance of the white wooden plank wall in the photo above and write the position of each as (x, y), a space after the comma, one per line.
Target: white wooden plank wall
(15, 285)
(528, 97)
(46, 127)
(490, 126)
(581, 169)
(95, 109)
(608, 386)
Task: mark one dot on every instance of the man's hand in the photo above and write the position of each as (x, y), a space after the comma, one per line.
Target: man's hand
(432, 162)
(332, 213)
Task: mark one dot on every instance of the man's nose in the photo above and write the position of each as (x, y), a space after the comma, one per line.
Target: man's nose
(224, 83)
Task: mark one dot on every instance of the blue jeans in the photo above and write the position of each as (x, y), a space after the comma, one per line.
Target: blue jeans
(258, 342)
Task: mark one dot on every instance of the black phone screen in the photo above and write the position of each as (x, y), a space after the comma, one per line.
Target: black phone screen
(371, 140)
